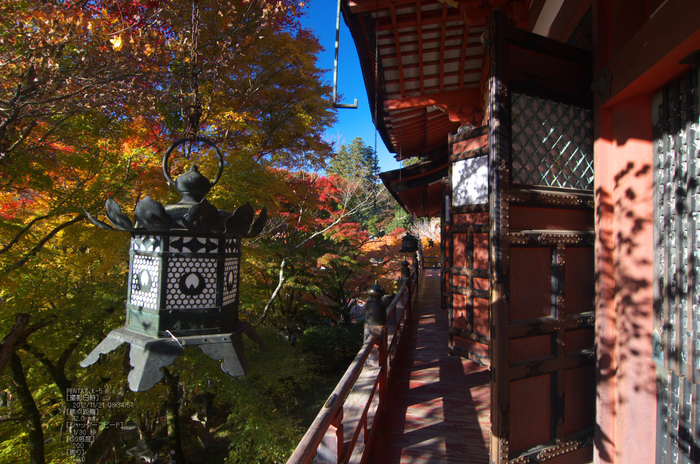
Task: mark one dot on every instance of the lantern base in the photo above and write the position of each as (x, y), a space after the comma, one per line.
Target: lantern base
(149, 354)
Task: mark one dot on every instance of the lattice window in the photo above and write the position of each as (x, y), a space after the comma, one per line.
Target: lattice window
(676, 337)
(552, 143)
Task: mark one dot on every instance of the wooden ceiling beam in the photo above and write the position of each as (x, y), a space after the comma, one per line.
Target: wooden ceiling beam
(403, 112)
(398, 50)
(398, 126)
(457, 96)
(442, 48)
(415, 52)
(418, 122)
(453, 28)
(370, 49)
(462, 62)
(420, 46)
(412, 134)
(473, 17)
(357, 6)
(463, 55)
(422, 150)
(430, 89)
(403, 117)
(408, 146)
(406, 21)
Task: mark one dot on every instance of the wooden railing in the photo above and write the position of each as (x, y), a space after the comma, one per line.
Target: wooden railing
(344, 428)
(431, 261)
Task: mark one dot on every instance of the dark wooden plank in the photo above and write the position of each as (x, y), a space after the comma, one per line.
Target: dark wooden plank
(499, 155)
(470, 154)
(466, 272)
(470, 209)
(474, 228)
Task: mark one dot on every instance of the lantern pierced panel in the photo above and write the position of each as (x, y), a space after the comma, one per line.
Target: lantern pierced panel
(194, 244)
(145, 279)
(230, 281)
(147, 243)
(552, 143)
(231, 246)
(191, 283)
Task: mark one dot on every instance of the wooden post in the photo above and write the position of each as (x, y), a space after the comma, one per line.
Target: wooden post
(384, 354)
(375, 319)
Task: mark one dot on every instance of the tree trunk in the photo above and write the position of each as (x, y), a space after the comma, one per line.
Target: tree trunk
(78, 422)
(17, 337)
(106, 441)
(36, 434)
(57, 370)
(172, 413)
(145, 432)
(280, 282)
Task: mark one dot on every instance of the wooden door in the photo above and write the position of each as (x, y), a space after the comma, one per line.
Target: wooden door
(468, 239)
(541, 249)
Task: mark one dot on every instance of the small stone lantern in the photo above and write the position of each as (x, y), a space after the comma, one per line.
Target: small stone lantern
(184, 263)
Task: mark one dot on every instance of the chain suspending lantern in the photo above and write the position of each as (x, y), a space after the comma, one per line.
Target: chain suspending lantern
(183, 277)
(193, 112)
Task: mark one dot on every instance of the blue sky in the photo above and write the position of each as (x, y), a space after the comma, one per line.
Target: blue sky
(320, 17)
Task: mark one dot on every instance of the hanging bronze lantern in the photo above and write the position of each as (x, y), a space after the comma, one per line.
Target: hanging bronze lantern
(409, 243)
(183, 278)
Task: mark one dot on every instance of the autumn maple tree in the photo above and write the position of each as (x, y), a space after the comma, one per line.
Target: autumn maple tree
(91, 93)
(310, 219)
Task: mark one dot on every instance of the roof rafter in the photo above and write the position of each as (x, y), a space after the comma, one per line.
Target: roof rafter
(398, 49)
(420, 45)
(463, 55)
(357, 6)
(454, 97)
(442, 48)
(431, 62)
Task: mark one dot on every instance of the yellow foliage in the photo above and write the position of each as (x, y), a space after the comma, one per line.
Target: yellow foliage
(116, 42)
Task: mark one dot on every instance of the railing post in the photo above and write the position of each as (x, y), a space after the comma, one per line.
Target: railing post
(339, 435)
(375, 319)
(405, 271)
(383, 352)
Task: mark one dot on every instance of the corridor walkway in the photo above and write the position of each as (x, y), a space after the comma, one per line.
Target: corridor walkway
(438, 406)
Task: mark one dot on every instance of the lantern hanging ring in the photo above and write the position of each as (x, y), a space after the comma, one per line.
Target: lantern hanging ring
(179, 142)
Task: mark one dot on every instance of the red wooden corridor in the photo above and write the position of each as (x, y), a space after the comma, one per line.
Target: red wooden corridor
(438, 406)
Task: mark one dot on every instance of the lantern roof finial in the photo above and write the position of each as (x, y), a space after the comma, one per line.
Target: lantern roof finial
(193, 213)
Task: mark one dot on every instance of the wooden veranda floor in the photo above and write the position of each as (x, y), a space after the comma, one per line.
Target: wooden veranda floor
(438, 406)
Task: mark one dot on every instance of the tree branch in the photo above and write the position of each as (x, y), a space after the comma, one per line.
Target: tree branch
(27, 256)
(280, 282)
(21, 233)
(347, 197)
(17, 337)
